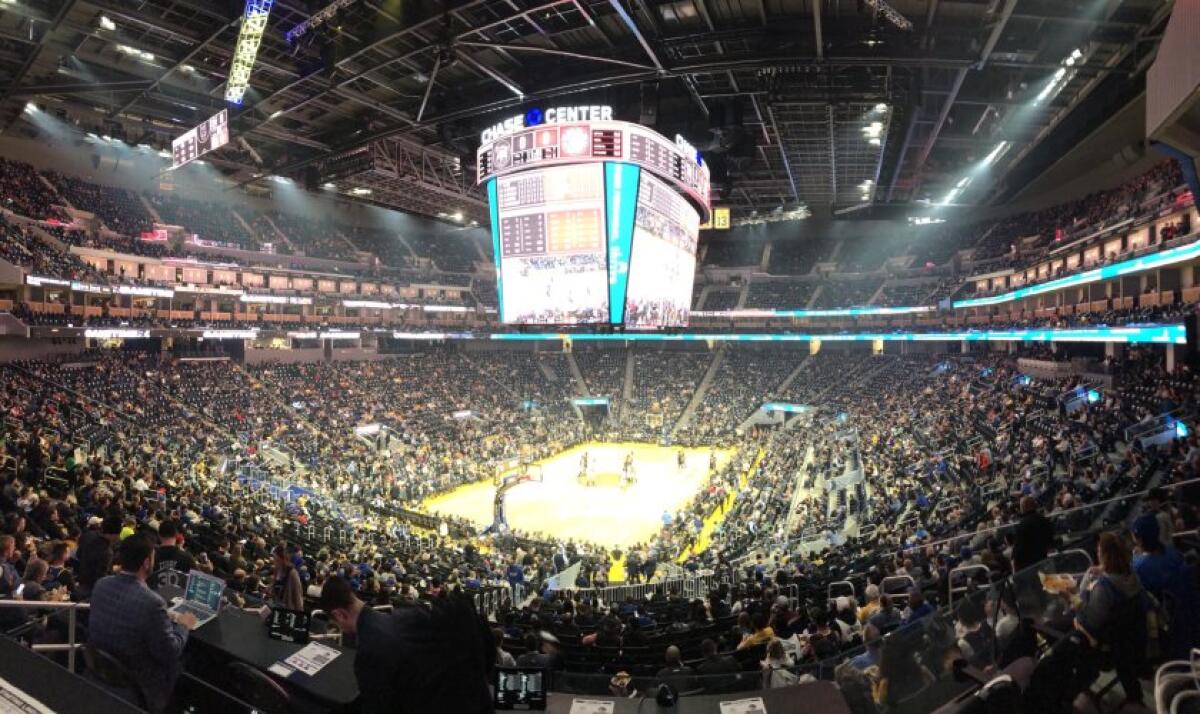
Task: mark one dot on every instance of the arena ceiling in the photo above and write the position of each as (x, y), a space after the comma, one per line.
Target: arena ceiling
(390, 95)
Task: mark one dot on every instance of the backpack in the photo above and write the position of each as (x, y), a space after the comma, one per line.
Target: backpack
(1128, 631)
(776, 677)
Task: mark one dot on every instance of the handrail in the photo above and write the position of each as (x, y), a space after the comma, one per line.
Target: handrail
(1057, 514)
(965, 570)
(70, 607)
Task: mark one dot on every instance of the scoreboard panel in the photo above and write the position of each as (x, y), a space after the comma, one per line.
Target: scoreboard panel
(198, 141)
(547, 145)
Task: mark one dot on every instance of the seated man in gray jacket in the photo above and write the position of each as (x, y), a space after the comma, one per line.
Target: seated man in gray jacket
(130, 622)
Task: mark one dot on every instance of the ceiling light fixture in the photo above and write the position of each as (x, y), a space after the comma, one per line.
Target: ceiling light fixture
(890, 13)
(254, 24)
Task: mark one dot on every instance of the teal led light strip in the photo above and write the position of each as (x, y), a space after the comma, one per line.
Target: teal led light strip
(835, 312)
(1147, 334)
(494, 212)
(1137, 265)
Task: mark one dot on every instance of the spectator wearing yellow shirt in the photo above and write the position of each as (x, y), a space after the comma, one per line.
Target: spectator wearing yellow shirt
(872, 605)
(762, 632)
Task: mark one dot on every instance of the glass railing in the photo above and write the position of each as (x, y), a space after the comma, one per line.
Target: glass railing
(913, 667)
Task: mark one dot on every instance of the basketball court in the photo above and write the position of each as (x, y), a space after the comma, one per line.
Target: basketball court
(607, 513)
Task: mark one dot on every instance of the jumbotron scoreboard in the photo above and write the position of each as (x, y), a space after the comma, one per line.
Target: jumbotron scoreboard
(594, 221)
(199, 140)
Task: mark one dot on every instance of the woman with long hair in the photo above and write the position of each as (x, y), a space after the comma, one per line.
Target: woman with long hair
(286, 588)
(1112, 614)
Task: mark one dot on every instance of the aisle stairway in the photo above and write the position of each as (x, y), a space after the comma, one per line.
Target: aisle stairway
(787, 381)
(149, 208)
(701, 390)
(581, 385)
(627, 387)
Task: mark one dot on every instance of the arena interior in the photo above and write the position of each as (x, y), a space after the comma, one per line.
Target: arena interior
(599, 356)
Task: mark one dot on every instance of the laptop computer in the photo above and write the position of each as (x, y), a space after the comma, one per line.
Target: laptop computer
(201, 597)
(519, 688)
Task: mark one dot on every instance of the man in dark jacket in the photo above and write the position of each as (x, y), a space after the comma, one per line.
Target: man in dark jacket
(416, 658)
(1033, 537)
(718, 672)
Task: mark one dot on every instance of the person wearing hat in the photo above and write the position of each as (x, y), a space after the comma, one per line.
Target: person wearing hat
(1167, 576)
(94, 554)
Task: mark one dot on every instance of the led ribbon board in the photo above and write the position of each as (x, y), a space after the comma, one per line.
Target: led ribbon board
(254, 24)
(590, 401)
(785, 407)
(1144, 334)
(837, 312)
(1125, 267)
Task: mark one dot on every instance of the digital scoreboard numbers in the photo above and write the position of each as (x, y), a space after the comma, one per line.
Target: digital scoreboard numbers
(656, 155)
(523, 235)
(606, 143)
(196, 142)
(523, 148)
(574, 231)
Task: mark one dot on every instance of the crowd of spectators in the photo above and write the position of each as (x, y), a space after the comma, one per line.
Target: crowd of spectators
(663, 384)
(722, 299)
(384, 244)
(107, 240)
(799, 257)
(604, 374)
(317, 237)
(1091, 213)
(864, 253)
(846, 293)
(780, 295)
(20, 246)
(119, 209)
(725, 253)
(453, 252)
(208, 220)
(905, 294)
(24, 192)
(740, 386)
(949, 448)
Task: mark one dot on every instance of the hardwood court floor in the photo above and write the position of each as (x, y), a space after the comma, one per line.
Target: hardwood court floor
(606, 514)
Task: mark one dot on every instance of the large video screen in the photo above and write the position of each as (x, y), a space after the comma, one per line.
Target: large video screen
(662, 263)
(551, 246)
